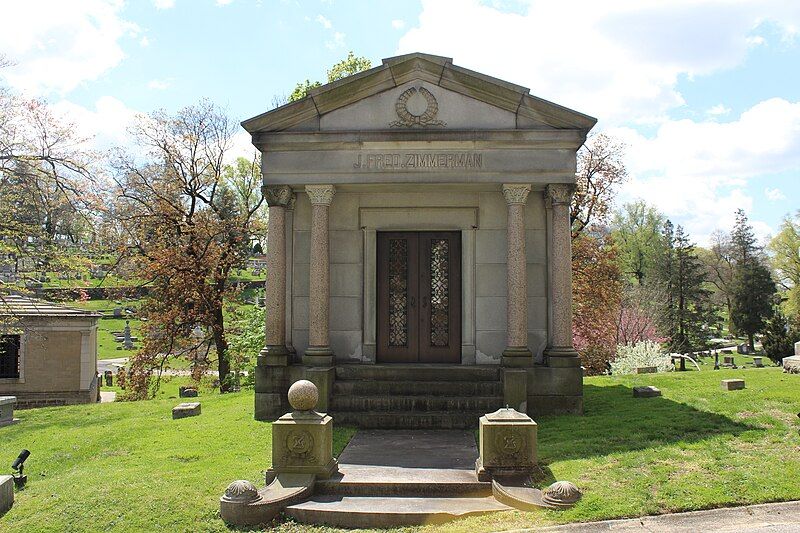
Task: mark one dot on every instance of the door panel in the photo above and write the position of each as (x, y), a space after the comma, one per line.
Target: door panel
(419, 297)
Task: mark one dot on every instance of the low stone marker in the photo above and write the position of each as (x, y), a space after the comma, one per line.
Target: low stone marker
(507, 444)
(7, 410)
(728, 360)
(185, 410)
(791, 365)
(646, 392)
(6, 493)
(758, 362)
(645, 370)
(187, 392)
(732, 384)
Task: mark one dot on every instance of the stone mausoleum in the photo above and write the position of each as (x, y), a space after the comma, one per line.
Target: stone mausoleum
(418, 266)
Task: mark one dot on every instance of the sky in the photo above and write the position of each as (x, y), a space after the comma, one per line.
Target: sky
(705, 94)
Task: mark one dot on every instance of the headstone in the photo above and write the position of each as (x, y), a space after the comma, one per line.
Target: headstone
(506, 443)
(716, 361)
(646, 392)
(6, 493)
(791, 364)
(743, 349)
(127, 342)
(185, 410)
(797, 348)
(758, 362)
(7, 410)
(117, 312)
(187, 392)
(732, 384)
(109, 375)
(645, 370)
(728, 360)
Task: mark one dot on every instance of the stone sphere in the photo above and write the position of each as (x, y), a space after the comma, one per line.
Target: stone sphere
(561, 494)
(241, 491)
(303, 395)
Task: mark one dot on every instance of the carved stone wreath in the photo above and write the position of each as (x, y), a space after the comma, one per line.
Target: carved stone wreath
(410, 120)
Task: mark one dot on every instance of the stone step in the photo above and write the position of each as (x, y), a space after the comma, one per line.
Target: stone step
(366, 480)
(408, 420)
(400, 372)
(414, 388)
(384, 512)
(483, 404)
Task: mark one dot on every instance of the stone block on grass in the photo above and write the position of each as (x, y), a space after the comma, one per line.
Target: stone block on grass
(185, 410)
(7, 410)
(758, 362)
(732, 384)
(645, 370)
(646, 392)
(6, 493)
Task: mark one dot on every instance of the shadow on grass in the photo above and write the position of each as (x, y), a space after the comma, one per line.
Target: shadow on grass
(615, 421)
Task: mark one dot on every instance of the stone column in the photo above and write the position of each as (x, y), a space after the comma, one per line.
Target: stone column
(319, 350)
(517, 353)
(279, 198)
(560, 351)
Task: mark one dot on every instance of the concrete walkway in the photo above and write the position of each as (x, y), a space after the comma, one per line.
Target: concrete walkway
(766, 518)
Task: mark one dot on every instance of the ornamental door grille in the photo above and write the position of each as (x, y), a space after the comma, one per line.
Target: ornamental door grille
(419, 297)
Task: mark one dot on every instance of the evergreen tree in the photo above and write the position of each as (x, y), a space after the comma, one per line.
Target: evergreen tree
(753, 288)
(779, 338)
(689, 312)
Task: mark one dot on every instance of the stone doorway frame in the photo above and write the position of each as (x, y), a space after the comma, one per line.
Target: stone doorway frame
(375, 219)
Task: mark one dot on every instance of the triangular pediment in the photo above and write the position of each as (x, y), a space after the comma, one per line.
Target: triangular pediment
(418, 91)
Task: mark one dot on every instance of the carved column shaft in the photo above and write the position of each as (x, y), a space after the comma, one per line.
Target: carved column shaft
(517, 352)
(560, 258)
(278, 198)
(319, 350)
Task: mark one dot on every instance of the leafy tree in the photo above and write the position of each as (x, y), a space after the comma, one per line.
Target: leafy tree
(719, 262)
(779, 338)
(247, 339)
(350, 65)
(753, 288)
(597, 291)
(636, 230)
(785, 249)
(600, 171)
(185, 229)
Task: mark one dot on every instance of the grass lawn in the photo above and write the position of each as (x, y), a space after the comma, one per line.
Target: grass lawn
(129, 467)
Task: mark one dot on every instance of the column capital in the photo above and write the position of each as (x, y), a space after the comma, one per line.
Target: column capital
(278, 195)
(516, 193)
(559, 193)
(320, 194)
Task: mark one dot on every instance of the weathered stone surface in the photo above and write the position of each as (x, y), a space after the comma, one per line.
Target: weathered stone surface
(302, 442)
(797, 348)
(728, 360)
(7, 410)
(303, 395)
(645, 370)
(185, 410)
(758, 362)
(507, 444)
(187, 392)
(732, 384)
(792, 364)
(646, 392)
(6, 493)
(243, 505)
(561, 495)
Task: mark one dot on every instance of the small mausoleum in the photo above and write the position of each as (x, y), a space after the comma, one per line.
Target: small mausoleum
(418, 258)
(48, 353)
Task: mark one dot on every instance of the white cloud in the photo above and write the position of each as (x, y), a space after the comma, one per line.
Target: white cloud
(398, 24)
(325, 22)
(337, 42)
(164, 4)
(698, 172)
(104, 126)
(621, 60)
(774, 194)
(58, 45)
(159, 85)
(718, 110)
(221, 3)
(144, 42)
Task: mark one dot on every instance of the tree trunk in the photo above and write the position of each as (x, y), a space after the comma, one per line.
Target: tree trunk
(221, 344)
(751, 343)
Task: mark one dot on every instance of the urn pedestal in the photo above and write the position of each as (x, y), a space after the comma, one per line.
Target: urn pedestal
(507, 444)
(302, 443)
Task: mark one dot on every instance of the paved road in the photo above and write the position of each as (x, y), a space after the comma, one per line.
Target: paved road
(767, 518)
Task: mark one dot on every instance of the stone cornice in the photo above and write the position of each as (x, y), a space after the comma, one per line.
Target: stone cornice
(320, 194)
(516, 193)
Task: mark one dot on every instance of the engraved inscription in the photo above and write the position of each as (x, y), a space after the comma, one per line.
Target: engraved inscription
(424, 161)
